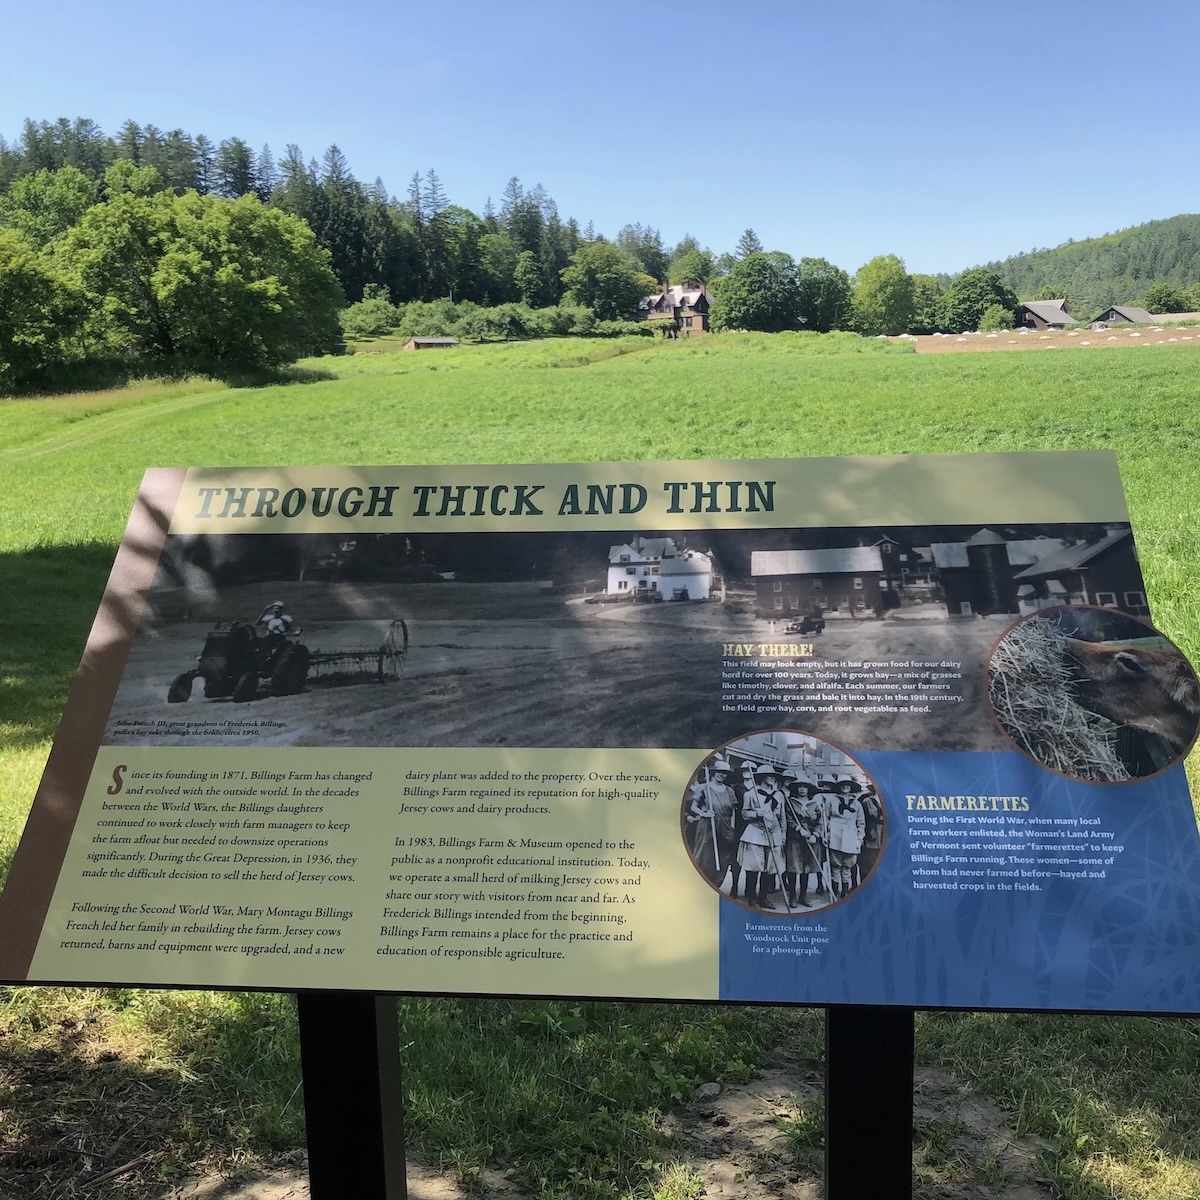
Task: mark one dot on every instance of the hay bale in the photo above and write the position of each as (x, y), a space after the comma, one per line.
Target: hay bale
(1031, 686)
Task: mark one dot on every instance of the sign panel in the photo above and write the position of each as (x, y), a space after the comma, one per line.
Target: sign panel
(874, 731)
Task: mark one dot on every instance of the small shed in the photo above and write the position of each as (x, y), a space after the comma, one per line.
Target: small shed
(430, 343)
(1045, 314)
(1127, 313)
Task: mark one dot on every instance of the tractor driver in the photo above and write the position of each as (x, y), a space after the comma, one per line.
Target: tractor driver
(278, 624)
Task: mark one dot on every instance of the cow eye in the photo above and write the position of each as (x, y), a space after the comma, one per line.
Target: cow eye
(1131, 663)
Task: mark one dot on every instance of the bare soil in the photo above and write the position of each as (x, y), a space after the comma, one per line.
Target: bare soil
(1059, 339)
(563, 673)
(738, 1145)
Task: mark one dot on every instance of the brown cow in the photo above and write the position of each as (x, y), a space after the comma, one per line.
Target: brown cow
(1155, 690)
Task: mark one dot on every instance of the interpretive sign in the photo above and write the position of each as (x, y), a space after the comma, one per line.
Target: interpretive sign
(866, 731)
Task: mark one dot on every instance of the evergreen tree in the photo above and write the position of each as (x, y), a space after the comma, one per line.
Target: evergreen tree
(645, 245)
(129, 142)
(234, 169)
(748, 243)
(177, 161)
(416, 201)
(433, 197)
(152, 148)
(206, 165)
(266, 174)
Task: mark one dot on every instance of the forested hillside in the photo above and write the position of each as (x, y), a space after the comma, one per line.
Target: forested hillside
(1114, 269)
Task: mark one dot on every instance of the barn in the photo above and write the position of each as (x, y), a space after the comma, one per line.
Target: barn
(430, 343)
(845, 579)
(979, 575)
(1105, 572)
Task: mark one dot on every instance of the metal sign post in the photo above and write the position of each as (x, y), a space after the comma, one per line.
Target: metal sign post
(869, 1057)
(353, 1104)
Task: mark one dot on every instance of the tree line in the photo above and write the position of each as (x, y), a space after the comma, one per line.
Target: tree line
(164, 249)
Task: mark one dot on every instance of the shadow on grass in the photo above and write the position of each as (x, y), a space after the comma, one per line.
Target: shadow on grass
(274, 377)
(119, 1093)
(51, 595)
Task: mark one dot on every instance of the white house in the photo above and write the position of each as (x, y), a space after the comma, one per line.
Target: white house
(658, 565)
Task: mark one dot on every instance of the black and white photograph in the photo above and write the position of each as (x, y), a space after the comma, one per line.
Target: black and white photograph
(600, 638)
(783, 822)
(1094, 694)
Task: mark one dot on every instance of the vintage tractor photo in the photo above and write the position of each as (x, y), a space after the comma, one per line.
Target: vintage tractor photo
(237, 662)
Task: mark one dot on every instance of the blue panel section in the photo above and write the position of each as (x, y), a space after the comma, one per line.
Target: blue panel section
(1127, 941)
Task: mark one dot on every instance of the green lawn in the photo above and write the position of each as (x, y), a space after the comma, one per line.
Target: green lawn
(1118, 1100)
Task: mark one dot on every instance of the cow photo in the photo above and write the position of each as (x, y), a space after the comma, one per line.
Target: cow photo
(1094, 694)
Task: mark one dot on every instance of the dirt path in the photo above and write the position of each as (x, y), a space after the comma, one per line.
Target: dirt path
(760, 1141)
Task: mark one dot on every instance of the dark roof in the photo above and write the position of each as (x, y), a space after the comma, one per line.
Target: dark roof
(1053, 312)
(1139, 316)
(1073, 558)
(434, 341)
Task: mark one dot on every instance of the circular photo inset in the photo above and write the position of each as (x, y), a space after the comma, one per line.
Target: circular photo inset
(1093, 694)
(783, 822)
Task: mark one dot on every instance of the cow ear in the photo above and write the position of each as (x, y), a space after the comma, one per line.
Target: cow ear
(1129, 662)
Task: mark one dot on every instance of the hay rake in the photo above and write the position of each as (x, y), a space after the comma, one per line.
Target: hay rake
(385, 661)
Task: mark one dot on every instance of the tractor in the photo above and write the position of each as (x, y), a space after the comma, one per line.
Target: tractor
(235, 661)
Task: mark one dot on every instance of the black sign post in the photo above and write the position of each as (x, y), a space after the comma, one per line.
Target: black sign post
(869, 1057)
(353, 1104)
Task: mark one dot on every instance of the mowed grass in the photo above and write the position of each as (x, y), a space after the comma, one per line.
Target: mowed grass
(1117, 1099)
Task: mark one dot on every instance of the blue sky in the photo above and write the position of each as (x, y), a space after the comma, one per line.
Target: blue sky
(949, 132)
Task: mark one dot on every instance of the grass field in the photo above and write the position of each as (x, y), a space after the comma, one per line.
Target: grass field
(1117, 1100)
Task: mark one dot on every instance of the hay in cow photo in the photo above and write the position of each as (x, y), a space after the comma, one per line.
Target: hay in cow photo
(1093, 694)
(783, 822)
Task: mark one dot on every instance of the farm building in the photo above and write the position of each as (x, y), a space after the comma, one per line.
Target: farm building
(658, 565)
(1117, 314)
(1167, 318)
(430, 343)
(684, 303)
(1045, 314)
(904, 563)
(979, 575)
(844, 579)
(1103, 572)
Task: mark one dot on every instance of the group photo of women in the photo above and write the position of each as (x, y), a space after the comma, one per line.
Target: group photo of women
(783, 822)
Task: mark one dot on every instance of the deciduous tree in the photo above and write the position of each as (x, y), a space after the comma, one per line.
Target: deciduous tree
(883, 297)
(606, 279)
(39, 312)
(760, 292)
(971, 295)
(44, 206)
(825, 295)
